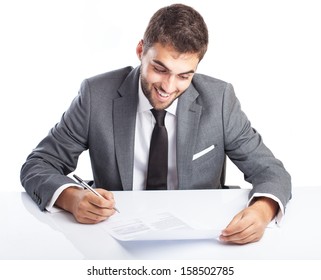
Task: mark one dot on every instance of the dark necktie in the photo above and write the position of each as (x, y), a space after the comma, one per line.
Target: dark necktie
(158, 154)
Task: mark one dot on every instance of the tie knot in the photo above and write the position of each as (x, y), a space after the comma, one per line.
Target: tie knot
(159, 116)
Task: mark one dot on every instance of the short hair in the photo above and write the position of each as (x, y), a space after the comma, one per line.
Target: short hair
(179, 26)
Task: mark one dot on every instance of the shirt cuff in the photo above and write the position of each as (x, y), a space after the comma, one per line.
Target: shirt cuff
(50, 206)
(278, 217)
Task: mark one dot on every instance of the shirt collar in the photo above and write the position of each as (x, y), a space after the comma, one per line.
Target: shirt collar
(144, 105)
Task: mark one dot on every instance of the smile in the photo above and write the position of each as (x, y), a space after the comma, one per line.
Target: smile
(162, 93)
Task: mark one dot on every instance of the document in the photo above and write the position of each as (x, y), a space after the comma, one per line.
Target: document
(158, 226)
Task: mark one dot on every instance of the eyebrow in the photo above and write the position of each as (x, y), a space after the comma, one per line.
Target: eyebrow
(163, 65)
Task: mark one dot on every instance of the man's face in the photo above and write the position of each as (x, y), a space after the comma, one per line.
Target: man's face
(165, 73)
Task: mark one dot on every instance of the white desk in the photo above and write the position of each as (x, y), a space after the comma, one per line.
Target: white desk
(28, 233)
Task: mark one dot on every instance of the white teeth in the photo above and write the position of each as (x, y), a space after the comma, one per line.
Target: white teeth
(162, 94)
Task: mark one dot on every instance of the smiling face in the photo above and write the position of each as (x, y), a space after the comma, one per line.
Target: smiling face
(165, 73)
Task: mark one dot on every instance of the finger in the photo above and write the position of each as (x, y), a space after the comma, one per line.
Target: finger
(101, 202)
(238, 224)
(250, 234)
(240, 241)
(93, 209)
(102, 208)
(100, 215)
(86, 220)
(237, 236)
(106, 194)
(235, 219)
(94, 215)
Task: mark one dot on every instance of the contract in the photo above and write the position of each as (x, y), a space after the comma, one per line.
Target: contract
(158, 226)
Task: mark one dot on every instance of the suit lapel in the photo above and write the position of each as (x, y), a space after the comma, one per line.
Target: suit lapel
(124, 111)
(125, 108)
(188, 117)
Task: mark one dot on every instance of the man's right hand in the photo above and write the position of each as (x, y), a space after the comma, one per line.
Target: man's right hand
(87, 207)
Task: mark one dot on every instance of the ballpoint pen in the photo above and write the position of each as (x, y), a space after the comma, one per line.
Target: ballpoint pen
(85, 185)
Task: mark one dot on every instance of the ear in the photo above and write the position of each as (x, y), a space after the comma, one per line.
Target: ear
(140, 49)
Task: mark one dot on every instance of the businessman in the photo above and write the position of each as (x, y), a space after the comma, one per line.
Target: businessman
(114, 116)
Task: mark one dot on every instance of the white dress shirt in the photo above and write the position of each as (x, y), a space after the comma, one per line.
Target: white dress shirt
(145, 123)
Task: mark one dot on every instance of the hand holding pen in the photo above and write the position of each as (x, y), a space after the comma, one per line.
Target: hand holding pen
(86, 186)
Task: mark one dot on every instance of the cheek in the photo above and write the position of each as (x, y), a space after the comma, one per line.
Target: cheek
(148, 73)
(183, 85)
(152, 78)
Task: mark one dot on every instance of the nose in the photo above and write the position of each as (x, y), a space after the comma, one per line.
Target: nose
(169, 84)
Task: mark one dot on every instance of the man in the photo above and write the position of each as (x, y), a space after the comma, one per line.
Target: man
(111, 117)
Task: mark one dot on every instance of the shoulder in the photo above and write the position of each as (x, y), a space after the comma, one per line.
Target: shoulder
(119, 74)
(106, 83)
(205, 83)
(212, 90)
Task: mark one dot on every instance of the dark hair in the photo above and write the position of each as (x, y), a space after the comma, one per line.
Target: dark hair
(180, 26)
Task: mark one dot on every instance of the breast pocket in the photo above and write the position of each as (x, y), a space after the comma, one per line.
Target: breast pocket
(207, 167)
(206, 151)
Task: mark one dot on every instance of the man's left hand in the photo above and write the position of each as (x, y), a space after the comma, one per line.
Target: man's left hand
(249, 224)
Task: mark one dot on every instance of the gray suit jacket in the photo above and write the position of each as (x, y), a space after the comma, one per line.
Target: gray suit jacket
(102, 119)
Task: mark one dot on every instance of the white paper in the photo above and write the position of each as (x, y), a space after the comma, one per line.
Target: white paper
(159, 226)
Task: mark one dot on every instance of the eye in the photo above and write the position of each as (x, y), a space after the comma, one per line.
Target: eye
(159, 70)
(183, 77)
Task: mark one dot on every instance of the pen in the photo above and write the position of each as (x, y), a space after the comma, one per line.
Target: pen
(85, 185)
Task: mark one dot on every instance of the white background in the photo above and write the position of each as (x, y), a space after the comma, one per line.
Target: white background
(269, 50)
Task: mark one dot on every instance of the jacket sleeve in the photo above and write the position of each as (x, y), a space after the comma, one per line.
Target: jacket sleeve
(57, 154)
(245, 147)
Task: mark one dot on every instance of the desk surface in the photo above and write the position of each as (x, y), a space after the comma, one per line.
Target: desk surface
(28, 233)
